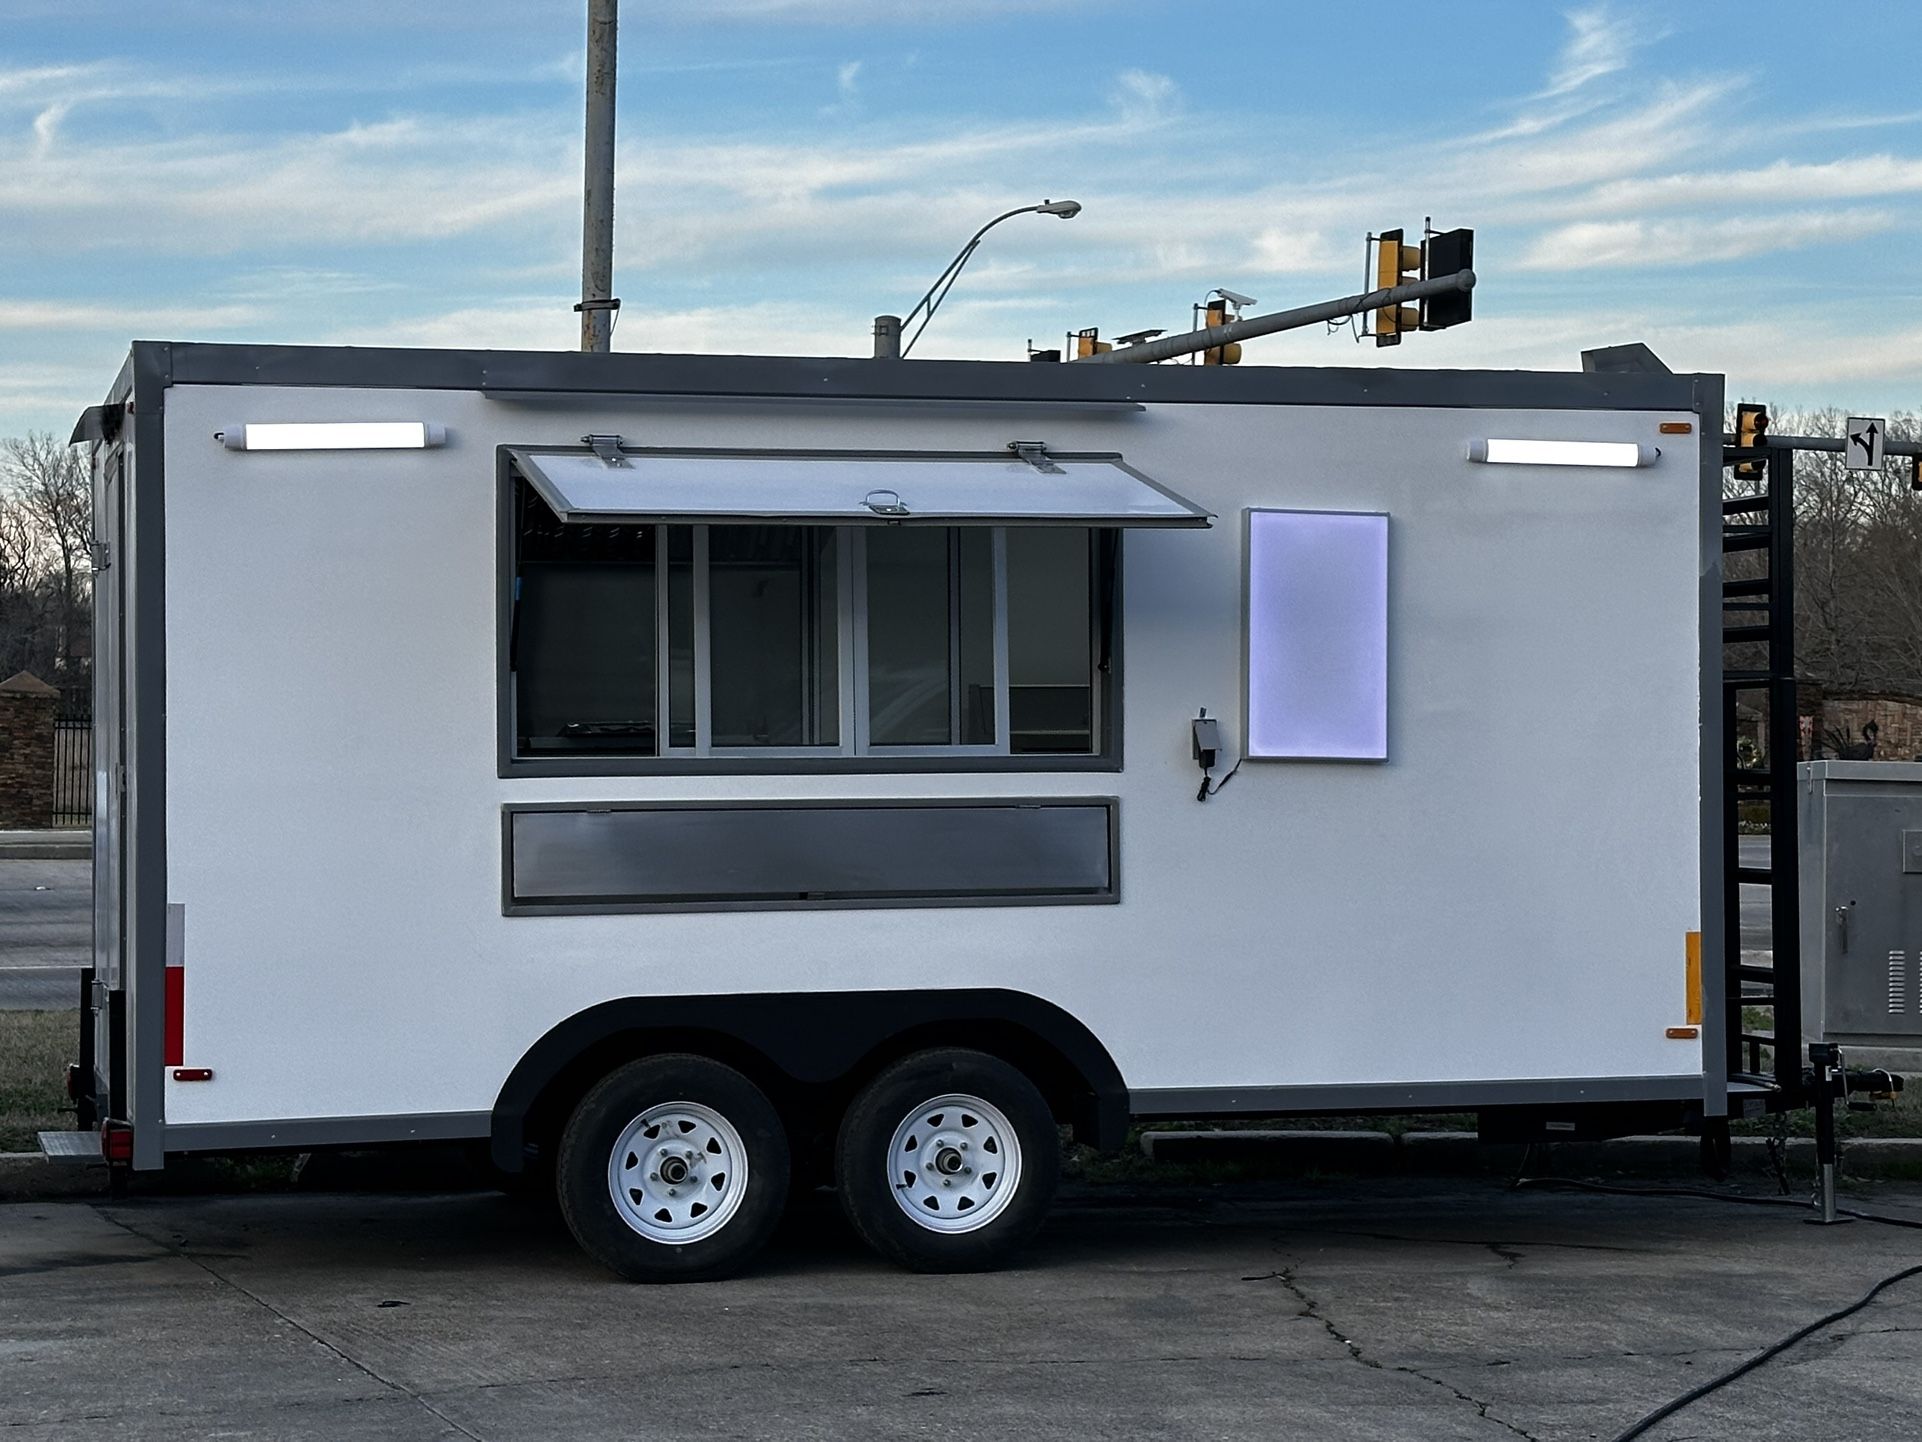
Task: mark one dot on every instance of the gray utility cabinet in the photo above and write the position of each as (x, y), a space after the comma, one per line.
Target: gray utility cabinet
(1861, 862)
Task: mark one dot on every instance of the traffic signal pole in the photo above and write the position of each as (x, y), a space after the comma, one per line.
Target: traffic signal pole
(1168, 347)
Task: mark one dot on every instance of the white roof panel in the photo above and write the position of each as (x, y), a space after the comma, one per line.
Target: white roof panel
(840, 488)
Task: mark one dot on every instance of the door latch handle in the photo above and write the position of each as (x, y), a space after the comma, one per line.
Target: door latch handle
(1842, 921)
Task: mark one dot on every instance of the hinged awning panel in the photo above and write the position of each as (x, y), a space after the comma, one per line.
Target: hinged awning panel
(851, 488)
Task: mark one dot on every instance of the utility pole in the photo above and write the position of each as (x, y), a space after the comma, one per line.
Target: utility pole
(598, 304)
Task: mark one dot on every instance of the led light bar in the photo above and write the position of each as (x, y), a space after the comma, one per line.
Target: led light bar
(1563, 453)
(332, 436)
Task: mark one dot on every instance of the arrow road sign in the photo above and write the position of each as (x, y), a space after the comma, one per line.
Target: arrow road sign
(1862, 442)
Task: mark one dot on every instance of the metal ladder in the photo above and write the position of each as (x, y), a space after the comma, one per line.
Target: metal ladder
(1760, 610)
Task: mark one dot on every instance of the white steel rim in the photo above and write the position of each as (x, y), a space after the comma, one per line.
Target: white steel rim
(677, 1172)
(954, 1164)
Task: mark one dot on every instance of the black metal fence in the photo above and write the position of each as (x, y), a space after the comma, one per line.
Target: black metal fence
(72, 770)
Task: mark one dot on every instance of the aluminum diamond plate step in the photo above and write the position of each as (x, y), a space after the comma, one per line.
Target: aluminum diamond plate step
(70, 1146)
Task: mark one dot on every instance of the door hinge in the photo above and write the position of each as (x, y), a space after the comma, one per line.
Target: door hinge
(608, 448)
(1035, 453)
(99, 555)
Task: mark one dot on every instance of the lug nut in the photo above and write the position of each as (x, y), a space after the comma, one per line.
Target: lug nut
(653, 1176)
(673, 1191)
(964, 1146)
(947, 1181)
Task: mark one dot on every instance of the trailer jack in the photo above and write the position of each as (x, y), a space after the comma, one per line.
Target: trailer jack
(1827, 1079)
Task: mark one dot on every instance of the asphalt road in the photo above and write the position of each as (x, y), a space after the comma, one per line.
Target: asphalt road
(1756, 931)
(1380, 1310)
(46, 932)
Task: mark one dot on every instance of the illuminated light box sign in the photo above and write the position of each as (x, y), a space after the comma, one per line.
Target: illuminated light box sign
(1317, 636)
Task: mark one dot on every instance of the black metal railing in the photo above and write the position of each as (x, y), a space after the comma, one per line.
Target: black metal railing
(72, 770)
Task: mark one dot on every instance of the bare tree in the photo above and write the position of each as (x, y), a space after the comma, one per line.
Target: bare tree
(46, 576)
(1858, 563)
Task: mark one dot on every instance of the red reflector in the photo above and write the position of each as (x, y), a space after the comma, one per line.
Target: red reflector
(193, 1073)
(172, 1048)
(116, 1141)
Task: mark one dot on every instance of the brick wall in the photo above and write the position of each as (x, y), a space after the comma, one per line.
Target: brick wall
(27, 709)
(1898, 721)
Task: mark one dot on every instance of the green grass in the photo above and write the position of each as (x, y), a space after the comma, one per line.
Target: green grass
(35, 1047)
(1899, 1118)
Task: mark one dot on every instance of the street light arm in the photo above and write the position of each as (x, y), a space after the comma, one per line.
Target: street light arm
(944, 282)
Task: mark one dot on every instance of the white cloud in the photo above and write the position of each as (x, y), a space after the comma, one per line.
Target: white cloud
(1601, 44)
(122, 320)
(1590, 245)
(1777, 183)
(1144, 96)
(1282, 251)
(396, 180)
(46, 125)
(847, 89)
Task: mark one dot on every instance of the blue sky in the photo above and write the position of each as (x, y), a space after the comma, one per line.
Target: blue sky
(1738, 184)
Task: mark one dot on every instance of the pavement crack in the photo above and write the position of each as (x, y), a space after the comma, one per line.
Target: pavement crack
(1311, 1309)
(1481, 1407)
(1478, 1242)
(180, 1251)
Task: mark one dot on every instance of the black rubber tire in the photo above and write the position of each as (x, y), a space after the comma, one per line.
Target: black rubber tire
(862, 1176)
(599, 1120)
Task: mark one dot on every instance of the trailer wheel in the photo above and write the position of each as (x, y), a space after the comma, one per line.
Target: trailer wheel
(947, 1161)
(673, 1168)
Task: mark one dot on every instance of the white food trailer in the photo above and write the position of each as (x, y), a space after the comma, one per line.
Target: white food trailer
(697, 772)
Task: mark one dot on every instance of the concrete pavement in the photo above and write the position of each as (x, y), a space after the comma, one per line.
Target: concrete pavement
(1341, 1311)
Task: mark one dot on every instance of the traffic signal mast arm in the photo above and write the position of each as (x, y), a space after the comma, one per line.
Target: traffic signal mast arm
(1168, 347)
(1820, 443)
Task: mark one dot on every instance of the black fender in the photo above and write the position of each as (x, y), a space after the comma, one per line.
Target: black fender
(815, 1038)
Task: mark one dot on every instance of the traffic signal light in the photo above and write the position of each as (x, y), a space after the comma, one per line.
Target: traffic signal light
(1395, 264)
(1445, 254)
(1216, 314)
(1751, 432)
(1088, 342)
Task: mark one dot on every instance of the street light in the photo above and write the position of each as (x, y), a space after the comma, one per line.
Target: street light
(887, 329)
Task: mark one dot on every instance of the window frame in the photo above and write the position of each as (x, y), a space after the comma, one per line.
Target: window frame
(852, 755)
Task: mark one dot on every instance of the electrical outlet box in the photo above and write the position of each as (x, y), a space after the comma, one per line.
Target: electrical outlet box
(1207, 740)
(1861, 902)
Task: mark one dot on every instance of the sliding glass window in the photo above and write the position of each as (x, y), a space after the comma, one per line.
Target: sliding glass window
(761, 640)
(584, 638)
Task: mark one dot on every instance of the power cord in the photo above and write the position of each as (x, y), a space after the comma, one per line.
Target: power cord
(1774, 1349)
(1210, 786)
(1695, 1394)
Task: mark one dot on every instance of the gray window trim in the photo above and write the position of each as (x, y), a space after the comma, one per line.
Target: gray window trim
(1110, 804)
(854, 753)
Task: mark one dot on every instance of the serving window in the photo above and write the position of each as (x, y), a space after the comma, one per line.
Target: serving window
(855, 609)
